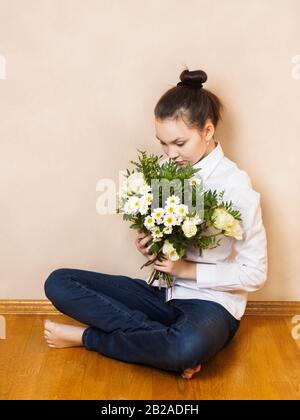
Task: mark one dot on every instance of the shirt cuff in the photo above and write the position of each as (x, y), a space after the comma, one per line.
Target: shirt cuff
(206, 275)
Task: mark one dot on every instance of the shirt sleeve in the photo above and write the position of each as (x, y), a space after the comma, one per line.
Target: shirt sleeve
(248, 271)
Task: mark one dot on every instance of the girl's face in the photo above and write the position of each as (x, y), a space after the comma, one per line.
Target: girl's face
(183, 144)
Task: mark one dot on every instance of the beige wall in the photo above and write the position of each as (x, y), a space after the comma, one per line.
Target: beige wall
(82, 79)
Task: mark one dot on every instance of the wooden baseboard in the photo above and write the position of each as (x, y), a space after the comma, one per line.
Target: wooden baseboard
(273, 308)
(27, 307)
(44, 307)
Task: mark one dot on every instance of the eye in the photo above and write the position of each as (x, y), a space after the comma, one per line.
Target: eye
(180, 145)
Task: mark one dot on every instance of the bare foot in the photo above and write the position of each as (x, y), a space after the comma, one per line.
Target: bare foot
(188, 373)
(61, 335)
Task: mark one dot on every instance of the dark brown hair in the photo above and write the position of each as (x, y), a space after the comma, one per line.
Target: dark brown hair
(190, 101)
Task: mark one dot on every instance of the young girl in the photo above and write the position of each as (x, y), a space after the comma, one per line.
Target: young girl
(129, 320)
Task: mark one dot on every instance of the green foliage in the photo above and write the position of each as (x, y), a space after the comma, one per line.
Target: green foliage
(228, 207)
(148, 165)
(170, 170)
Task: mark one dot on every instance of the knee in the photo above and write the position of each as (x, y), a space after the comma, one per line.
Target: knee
(189, 351)
(53, 283)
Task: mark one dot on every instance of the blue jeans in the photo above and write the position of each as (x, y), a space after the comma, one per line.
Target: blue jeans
(131, 321)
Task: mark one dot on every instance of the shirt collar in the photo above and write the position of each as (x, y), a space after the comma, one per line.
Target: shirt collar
(209, 163)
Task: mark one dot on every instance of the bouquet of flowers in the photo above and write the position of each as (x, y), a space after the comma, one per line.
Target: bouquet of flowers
(173, 224)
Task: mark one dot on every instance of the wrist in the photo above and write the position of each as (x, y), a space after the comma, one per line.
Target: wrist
(187, 270)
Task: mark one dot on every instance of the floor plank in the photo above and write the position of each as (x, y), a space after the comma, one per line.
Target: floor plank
(262, 362)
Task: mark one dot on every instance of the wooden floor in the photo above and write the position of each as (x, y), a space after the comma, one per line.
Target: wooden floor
(262, 362)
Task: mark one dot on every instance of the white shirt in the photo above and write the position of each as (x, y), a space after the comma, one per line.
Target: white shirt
(228, 272)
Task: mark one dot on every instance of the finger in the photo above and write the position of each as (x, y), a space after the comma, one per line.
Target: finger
(160, 268)
(144, 241)
(137, 244)
(150, 257)
(160, 264)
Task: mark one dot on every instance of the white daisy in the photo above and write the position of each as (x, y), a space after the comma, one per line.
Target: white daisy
(170, 219)
(168, 230)
(156, 233)
(134, 204)
(158, 215)
(149, 222)
(147, 199)
(194, 181)
(172, 200)
(170, 208)
(181, 210)
(144, 209)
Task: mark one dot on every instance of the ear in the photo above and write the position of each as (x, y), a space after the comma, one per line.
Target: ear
(208, 130)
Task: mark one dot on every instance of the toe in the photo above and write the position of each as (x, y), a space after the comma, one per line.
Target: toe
(186, 376)
(47, 325)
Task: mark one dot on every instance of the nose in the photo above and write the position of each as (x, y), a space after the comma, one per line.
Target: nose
(172, 154)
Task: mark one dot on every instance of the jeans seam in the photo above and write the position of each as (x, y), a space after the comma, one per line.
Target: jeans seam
(127, 288)
(111, 304)
(120, 287)
(183, 321)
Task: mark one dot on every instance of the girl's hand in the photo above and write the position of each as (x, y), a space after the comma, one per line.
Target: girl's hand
(178, 268)
(174, 268)
(141, 243)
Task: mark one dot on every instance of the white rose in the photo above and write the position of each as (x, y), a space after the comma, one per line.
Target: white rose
(235, 230)
(174, 256)
(170, 251)
(167, 247)
(222, 219)
(136, 184)
(189, 228)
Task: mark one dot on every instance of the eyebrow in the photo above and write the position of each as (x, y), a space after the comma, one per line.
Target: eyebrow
(179, 138)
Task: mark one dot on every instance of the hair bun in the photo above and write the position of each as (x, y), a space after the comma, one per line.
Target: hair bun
(194, 78)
